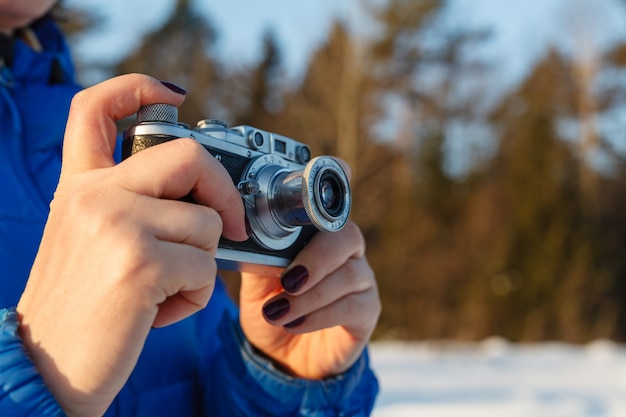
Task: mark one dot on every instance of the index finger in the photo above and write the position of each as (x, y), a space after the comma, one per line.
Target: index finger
(179, 167)
(91, 132)
(324, 254)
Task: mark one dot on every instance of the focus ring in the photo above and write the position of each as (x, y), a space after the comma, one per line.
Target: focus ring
(311, 199)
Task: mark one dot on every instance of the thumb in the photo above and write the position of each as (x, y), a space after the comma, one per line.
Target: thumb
(90, 135)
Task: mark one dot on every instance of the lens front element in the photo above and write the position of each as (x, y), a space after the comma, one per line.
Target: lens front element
(326, 194)
(331, 194)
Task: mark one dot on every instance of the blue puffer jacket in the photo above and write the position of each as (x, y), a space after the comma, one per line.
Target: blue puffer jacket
(200, 366)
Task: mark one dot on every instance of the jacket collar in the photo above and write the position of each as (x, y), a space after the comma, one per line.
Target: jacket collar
(36, 54)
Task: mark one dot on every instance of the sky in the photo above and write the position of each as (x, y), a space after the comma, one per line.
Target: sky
(522, 28)
(299, 26)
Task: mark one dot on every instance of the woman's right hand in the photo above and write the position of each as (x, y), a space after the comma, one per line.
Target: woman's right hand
(119, 253)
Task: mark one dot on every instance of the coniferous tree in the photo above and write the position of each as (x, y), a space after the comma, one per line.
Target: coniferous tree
(547, 281)
(423, 72)
(181, 51)
(332, 110)
(260, 89)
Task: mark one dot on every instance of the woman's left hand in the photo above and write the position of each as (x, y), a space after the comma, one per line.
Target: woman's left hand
(318, 317)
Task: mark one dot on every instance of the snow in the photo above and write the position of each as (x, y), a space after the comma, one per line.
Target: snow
(495, 378)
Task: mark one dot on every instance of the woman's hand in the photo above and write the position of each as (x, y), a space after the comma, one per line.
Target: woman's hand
(119, 254)
(320, 315)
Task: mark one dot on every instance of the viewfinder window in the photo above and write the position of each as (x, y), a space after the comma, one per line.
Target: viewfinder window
(280, 146)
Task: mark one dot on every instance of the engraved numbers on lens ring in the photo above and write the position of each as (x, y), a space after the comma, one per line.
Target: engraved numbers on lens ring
(263, 161)
(312, 176)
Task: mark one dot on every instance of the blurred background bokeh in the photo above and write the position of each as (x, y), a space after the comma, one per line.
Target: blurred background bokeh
(488, 165)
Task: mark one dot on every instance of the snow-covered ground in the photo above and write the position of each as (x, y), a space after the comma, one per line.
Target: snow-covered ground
(499, 379)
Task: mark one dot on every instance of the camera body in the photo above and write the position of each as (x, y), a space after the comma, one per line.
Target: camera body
(288, 196)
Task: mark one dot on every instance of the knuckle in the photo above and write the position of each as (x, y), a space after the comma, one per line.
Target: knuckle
(352, 275)
(320, 253)
(80, 100)
(136, 263)
(353, 234)
(364, 309)
(364, 300)
(189, 148)
(206, 270)
(359, 275)
(86, 202)
(212, 217)
(315, 297)
(354, 306)
(136, 257)
(376, 304)
(138, 78)
(212, 226)
(357, 234)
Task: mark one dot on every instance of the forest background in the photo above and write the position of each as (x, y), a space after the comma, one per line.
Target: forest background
(487, 209)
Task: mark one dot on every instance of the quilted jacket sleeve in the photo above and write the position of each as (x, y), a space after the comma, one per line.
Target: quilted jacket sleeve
(22, 390)
(236, 381)
(250, 385)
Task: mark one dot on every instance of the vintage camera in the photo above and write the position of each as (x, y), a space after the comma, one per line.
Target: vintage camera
(287, 195)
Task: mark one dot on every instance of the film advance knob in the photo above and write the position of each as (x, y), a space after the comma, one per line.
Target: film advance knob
(158, 112)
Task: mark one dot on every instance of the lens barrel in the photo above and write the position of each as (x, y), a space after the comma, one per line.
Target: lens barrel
(326, 194)
(317, 195)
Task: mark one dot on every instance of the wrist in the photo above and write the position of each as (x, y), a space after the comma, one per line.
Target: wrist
(339, 392)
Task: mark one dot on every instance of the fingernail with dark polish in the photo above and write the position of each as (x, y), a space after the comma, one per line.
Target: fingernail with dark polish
(295, 278)
(175, 88)
(276, 309)
(297, 322)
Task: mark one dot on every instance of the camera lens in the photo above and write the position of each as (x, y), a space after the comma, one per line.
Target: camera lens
(331, 194)
(323, 198)
(318, 195)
